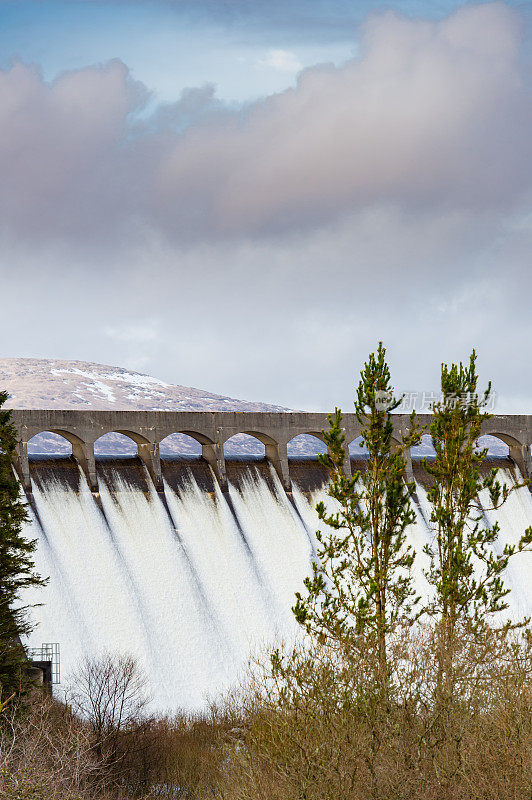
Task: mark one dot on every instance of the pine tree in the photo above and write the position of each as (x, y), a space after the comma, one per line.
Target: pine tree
(16, 564)
(466, 564)
(361, 583)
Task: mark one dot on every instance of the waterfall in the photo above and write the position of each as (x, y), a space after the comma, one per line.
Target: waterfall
(193, 581)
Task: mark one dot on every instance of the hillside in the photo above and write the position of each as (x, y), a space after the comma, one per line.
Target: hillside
(55, 383)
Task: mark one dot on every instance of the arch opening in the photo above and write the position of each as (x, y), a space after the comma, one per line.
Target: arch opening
(49, 443)
(115, 444)
(306, 445)
(497, 446)
(424, 449)
(358, 447)
(177, 445)
(244, 445)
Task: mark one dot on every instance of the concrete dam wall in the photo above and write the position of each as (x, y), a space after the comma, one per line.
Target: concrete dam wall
(212, 429)
(189, 564)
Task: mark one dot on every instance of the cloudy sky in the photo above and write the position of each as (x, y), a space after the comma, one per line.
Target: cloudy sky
(246, 196)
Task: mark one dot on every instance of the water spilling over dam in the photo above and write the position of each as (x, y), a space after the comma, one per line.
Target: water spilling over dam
(190, 582)
(191, 574)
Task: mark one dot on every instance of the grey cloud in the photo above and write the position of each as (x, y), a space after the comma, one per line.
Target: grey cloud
(431, 114)
(262, 252)
(62, 150)
(291, 321)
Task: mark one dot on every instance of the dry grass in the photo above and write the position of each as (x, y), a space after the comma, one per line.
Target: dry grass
(48, 753)
(313, 729)
(320, 733)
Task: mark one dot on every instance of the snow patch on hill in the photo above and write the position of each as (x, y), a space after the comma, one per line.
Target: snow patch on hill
(55, 383)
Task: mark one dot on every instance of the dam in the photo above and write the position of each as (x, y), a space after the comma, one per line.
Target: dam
(191, 564)
(212, 429)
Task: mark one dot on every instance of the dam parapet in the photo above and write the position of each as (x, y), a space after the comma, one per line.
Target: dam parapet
(212, 429)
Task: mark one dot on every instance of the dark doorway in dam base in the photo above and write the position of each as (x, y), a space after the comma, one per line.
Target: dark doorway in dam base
(245, 459)
(182, 464)
(117, 463)
(305, 470)
(180, 446)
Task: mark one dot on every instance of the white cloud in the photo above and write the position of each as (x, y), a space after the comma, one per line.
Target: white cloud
(281, 61)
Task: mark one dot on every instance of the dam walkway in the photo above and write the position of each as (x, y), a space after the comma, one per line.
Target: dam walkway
(212, 429)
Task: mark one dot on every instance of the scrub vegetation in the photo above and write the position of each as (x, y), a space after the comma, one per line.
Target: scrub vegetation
(386, 695)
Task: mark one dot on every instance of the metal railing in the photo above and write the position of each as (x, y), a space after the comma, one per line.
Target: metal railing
(48, 651)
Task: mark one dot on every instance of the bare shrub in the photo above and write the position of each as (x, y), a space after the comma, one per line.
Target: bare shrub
(46, 753)
(317, 729)
(310, 726)
(141, 755)
(110, 693)
(180, 757)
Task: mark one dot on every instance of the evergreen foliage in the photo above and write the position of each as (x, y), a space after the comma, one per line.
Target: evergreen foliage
(466, 563)
(16, 564)
(361, 584)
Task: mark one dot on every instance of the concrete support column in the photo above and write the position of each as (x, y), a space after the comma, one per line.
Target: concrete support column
(278, 456)
(520, 455)
(407, 455)
(83, 452)
(409, 469)
(22, 466)
(214, 456)
(150, 457)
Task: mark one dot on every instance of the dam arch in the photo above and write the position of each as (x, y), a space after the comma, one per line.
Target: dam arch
(244, 443)
(147, 452)
(82, 452)
(274, 452)
(424, 448)
(64, 434)
(121, 444)
(518, 452)
(210, 450)
(180, 444)
(357, 446)
(319, 435)
(490, 440)
(294, 444)
(63, 443)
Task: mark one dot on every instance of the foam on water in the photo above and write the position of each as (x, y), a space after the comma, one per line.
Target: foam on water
(193, 585)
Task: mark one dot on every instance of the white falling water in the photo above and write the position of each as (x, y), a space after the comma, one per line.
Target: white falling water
(193, 589)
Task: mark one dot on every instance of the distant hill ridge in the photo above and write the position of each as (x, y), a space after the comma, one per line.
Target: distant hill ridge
(57, 383)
